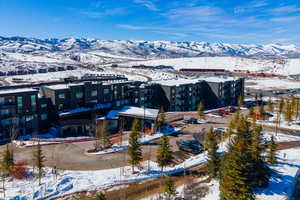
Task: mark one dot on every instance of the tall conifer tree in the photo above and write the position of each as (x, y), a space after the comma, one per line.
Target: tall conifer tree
(213, 163)
(164, 153)
(134, 149)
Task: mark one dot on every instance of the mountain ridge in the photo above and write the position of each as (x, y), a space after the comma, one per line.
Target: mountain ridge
(145, 49)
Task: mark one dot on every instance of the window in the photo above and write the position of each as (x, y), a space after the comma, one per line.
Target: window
(106, 91)
(44, 105)
(29, 118)
(5, 112)
(20, 102)
(33, 100)
(62, 96)
(60, 106)
(44, 116)
(118, 103)
(6, 122)
(1, 100)
(79, 95)
(94, 93)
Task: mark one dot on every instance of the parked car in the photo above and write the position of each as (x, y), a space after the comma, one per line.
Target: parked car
(202, 121)
(191, 120)
(231, 109)
(220, 130)
(267, 114)
(249, 104)
(191, 146)
(217, 114)
(223, 111)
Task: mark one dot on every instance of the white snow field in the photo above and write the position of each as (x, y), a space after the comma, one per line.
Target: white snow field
(278, 66)
(57, 76)
(272, 84)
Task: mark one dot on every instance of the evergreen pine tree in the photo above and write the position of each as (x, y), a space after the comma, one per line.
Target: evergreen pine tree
(272, 151)
(260, 174)
(213, 163)
(288, 112)
(240, 100)
(230, 128)
(234, 181)
(236, 117)
(270, 105)
(162, 118)
(101, 196)
(261, 110)
(297, 109)
(38, 161)
(294, 103)
(200, 110)
(251, 111)
(169, 190)
(280, 107)
(7, 159)
(164, 153)
(104, 136)
(134, 149)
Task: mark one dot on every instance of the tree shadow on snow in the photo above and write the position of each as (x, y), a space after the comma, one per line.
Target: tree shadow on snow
(279, 183)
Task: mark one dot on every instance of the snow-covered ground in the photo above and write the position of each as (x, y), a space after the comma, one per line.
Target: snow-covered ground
(278, 66)
(74, 181)
(272, 84)
(58, 76)
(283, 123)
(281, 183)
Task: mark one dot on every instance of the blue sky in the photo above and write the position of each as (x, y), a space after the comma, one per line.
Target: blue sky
(231, 21)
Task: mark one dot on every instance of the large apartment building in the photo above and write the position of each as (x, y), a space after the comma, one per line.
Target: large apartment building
(186, 94)
(19, 112)
(70, 108)
(178, 95)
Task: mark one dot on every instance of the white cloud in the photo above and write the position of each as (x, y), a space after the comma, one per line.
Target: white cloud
(251, 6)
(199, 13)
(99, 14)
(172, 34)
(132, 27)
(148, 4)
(285, 9)
(285, 19)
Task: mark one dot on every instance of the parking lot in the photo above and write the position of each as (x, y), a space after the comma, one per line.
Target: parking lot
(71, 155)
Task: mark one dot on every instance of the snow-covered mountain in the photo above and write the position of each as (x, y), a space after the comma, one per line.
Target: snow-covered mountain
(71, 48)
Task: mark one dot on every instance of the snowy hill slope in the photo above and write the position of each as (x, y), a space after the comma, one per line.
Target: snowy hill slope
(146, 49)
(22, 53)
(277, 66)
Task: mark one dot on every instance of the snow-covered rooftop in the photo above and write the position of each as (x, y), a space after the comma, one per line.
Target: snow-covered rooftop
(138, 112)
(19, 90)
(218, 79)
(177, 82)
(58, 86)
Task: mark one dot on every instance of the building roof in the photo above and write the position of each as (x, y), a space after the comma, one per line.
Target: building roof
(17, 90)
(218, 79)
(57, 87)
(138, 112)
(177, 82)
